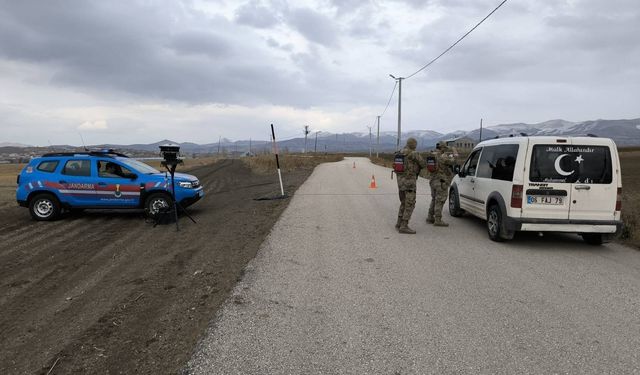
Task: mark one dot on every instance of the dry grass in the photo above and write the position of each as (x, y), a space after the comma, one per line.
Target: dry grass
(630, 160)
(188, 163)
(8, 174)
(288, 162)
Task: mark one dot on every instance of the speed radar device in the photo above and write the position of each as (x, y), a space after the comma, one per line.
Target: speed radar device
(171, 155)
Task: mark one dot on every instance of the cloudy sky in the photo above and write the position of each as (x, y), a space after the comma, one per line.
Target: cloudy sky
(193, 70)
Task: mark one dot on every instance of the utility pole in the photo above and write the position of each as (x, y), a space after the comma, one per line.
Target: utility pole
(378, 139)
(315, 146)
(219, 139)
(480, 130)
(249, 146)
(306, 131)
(369, 141)
(399, 80)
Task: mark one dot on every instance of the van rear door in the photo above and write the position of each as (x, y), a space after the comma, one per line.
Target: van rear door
(594, 185)
(547, 188)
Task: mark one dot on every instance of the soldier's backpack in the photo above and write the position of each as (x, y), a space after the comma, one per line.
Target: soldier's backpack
(432, 164)
(398, 162)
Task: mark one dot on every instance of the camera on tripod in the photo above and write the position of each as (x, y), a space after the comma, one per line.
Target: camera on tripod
(171, 155)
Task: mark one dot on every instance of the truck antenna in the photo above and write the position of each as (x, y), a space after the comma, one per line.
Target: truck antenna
(83, 145)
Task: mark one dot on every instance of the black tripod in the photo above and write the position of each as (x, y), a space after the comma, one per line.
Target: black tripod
(171, 167)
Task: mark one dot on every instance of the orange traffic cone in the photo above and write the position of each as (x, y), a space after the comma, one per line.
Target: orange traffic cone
(373, 185)
(354, 165)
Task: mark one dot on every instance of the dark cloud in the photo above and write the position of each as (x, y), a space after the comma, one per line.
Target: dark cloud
(161, 53)
(257, 15)
(314, 26)
(200, 43)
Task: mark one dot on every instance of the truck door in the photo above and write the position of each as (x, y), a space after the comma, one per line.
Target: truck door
(594, 189)
(548, 178)
(76, 183)
(116, 185)
(466, 187)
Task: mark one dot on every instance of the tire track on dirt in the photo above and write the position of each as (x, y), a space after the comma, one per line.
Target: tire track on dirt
(140, 296)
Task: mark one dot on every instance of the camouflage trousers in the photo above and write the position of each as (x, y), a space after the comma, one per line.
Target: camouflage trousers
(407, 204)
(439, 190)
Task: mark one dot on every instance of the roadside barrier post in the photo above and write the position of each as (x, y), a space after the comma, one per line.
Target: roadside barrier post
(275, 151)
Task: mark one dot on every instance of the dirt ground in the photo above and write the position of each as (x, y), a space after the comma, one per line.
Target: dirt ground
(105, 292)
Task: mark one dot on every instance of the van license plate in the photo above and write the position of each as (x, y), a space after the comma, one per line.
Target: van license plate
(545, 199)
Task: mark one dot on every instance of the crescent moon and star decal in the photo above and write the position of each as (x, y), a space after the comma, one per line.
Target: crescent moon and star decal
(561, 171)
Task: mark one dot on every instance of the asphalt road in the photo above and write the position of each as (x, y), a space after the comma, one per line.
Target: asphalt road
(336, 290)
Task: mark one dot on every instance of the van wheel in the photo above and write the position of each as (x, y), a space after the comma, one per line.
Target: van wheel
(595, 239)
(44, 207)
(157, 201)
(494, 223)
(454, 204)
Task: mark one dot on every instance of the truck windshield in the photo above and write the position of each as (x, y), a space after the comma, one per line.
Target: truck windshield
(139, 166)
(571, 164)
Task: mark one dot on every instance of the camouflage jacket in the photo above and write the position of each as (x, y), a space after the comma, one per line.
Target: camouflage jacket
(413, 163)
(444, 167)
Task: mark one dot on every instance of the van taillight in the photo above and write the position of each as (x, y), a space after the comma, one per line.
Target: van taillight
(619, 200)
(516, 196)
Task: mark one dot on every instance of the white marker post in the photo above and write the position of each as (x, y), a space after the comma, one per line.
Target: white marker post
(275, 151)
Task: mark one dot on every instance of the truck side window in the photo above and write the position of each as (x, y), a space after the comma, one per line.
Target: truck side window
(48, 166)
(469, 167)
(498, 162)
(112, 170)
(77, 168)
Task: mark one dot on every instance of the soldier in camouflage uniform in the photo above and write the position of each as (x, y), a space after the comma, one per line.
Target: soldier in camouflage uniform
(439, 182)
(413, 163)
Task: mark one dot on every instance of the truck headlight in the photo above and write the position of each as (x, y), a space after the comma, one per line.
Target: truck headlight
(185, 184)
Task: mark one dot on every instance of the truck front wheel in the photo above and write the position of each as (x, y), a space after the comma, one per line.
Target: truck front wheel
(44, 207)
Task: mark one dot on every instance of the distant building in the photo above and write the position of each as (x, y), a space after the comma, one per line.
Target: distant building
(463, 144)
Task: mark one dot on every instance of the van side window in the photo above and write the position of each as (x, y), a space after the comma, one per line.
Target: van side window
(77, 168)
(498, 162)
(48, 166)
(572, 164)
(469, 167)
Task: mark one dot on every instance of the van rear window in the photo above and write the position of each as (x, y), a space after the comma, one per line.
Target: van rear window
(571, 164)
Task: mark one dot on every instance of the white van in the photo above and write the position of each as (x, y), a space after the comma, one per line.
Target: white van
(542, 184)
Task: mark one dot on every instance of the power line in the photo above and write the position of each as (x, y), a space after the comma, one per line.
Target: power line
(458, 41)
(390, 97)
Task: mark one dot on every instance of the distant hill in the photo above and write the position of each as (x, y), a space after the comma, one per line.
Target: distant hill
(15, 145)
(623, 132)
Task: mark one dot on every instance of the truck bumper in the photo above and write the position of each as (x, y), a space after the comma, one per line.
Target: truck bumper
(612, 227)
(186, 202)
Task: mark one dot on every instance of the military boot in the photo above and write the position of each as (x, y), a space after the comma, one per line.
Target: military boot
(404, 228)
(399, 222)
(430, 219)
(439, 223)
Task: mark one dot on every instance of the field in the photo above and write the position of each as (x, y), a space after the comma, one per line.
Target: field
(107, 292)
(630, 159)
(8, 174)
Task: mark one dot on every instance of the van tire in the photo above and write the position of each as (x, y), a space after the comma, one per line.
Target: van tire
(44, 207)
(494, 223)
(454, 204)
(595, 239)
(155, 201)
